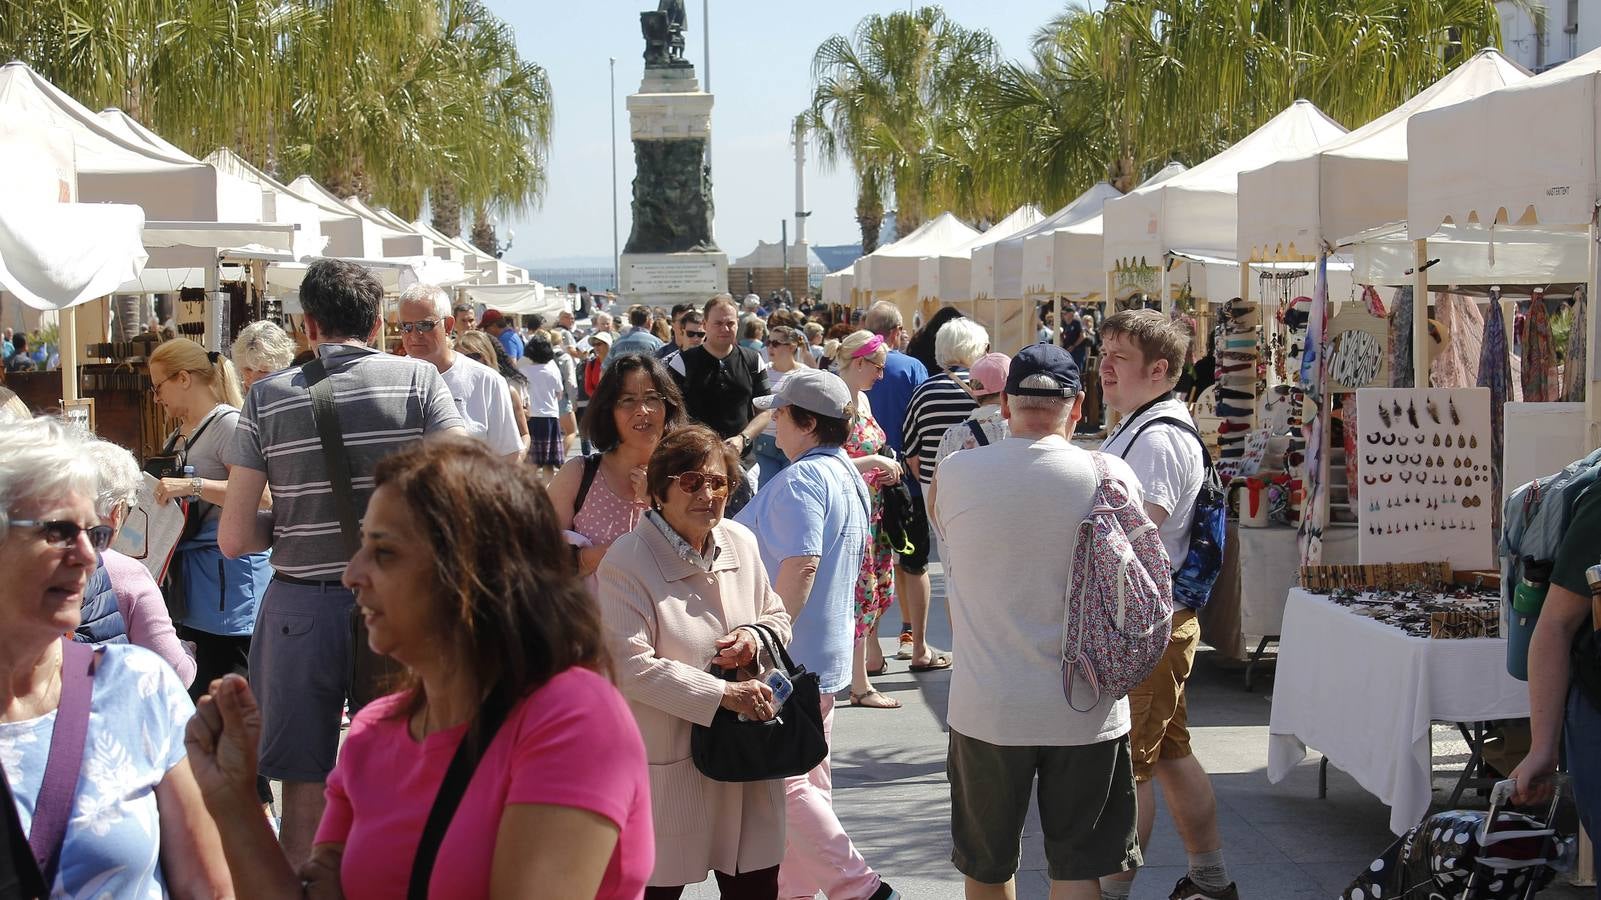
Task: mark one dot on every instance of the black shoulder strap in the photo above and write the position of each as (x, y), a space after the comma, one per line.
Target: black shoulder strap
(19, 871)
(591, 466)
(460, 773)
(326, 417)
(1206, 458)
(978, 432)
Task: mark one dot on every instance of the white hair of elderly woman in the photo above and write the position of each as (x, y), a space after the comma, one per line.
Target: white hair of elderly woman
(960, 341)
(263, 347)
(43, 459)
(120, 477)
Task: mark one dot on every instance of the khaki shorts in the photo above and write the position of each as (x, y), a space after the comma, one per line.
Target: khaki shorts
(1158, 719)
(1086, 803)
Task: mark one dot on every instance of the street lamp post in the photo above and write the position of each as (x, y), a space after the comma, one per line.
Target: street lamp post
(616, 260)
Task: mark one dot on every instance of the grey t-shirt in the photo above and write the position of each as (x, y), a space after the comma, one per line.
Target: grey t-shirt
(384, 402)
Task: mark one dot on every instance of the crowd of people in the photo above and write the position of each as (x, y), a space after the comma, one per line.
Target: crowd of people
(478, 664)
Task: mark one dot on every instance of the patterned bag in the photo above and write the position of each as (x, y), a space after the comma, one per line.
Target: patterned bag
(1119, 597)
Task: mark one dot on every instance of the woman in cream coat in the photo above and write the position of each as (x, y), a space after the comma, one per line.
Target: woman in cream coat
(675, 592)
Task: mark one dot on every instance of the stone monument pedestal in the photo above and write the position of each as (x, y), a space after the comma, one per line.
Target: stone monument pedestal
(671, 256)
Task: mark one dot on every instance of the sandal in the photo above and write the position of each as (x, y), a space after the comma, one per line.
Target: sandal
(882, 668)
(935, 663)
(885, 701)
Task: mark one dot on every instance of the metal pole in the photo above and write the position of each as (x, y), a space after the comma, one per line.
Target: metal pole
(783, 247)
(1420, 314)
(616, 260)
(706, 65)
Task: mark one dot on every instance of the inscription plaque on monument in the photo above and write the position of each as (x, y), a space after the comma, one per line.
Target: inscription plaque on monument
(674, 277)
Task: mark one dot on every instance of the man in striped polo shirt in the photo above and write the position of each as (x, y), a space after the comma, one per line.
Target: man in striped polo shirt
(937, 404)
(302, 652)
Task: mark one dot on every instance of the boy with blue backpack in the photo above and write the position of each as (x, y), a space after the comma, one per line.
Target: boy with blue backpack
(1142, 356)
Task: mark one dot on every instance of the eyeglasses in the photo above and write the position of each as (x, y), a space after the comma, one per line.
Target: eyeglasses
(877, 365)
(692, 482)
(156, 387)
(697, 335)
(779, 344)
(62, 534)
(425, 326)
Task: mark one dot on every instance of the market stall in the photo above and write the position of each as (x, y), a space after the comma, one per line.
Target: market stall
(890, 272)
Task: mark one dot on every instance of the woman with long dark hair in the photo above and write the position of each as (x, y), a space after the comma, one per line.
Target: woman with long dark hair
(463, 578)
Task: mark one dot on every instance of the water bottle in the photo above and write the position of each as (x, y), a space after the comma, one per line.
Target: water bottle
(1527, 598)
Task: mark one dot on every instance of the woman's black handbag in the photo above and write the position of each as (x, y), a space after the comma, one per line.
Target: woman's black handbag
(790, 744)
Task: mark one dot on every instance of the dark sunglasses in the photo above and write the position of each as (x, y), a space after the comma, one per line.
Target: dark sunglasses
(62, 534)
(692, 482)
(694, 334)
(425, 326)
(779, 344)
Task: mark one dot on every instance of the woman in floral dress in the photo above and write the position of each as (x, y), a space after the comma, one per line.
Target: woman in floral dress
(859, 360)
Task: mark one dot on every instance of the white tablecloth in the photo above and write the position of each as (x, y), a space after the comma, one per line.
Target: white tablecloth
(1364, 694)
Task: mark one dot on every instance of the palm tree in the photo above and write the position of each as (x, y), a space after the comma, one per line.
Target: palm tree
(881, 98)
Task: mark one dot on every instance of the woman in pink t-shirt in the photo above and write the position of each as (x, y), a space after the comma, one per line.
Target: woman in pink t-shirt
(463, 577)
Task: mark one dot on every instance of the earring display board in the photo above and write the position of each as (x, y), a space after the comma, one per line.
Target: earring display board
(1427, 492)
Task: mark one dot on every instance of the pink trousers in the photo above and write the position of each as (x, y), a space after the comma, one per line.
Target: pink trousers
(818, 854)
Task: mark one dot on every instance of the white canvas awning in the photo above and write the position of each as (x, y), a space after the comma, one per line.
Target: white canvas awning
(1196, 210)
(771, 256)
(1523, 155)
(57, 255)
(1355, 182)
(948, 276)
(837, 287)
(532, 298)
(1064, 259)
(1217, 278)
(1473, 255)
(278, 203)
(998, 268)
(894, 267)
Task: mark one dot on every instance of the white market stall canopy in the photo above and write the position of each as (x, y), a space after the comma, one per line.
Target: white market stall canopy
(948, 276)
(894, 267)
(1064, 259)
(1473, 255)
(1020, 266)
(1468, 173)
(519, 299)
(1195, 211)
(1354, 182)
(838, 287)
(1217, 279)
(771, 256)
(350, 234)
(113, 167)
(278, 203)
(400, 239)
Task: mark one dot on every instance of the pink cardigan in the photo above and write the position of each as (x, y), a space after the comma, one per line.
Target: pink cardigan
(144, 613)
(663, 616)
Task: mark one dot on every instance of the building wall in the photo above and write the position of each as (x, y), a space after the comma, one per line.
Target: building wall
(1570, 28)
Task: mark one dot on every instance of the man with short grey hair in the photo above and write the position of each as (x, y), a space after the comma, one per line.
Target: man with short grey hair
(1001, 511)
(483, 398)
(303, 649)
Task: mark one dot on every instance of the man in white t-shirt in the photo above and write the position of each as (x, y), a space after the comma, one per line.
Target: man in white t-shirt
(1000, 511)
(483, 398)
(1142, 356)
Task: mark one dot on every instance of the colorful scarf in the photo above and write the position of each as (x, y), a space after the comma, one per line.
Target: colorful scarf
(1573, 369)
(1401, 339)
(1495, 373)
(1541, 383)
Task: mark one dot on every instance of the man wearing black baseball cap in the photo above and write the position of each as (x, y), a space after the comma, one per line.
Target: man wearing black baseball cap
(1001, 512)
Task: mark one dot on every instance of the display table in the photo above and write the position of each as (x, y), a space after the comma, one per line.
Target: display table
(1364, 694)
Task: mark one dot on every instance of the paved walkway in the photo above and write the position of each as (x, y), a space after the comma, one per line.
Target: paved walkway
(1281, 842)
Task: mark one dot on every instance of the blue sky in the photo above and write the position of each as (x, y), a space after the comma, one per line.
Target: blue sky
(761, 76)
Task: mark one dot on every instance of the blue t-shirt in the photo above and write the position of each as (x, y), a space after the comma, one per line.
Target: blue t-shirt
(136, 721)
(817, 507)
(513, 342)
(893, 393)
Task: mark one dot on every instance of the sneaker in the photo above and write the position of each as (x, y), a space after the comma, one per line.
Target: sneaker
(1189, 890)
(885, 892)
(905, 651)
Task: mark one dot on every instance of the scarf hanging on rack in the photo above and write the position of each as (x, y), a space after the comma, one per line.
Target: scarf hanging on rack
(1541, 383)
(1314, 509)
(1461, 341)
(1401, 339)
(1573, 369)
(1495, 373)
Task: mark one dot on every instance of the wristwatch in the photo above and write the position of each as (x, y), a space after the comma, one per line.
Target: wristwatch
(195, 486)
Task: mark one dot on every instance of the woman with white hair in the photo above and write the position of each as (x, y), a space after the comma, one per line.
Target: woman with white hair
(123, 601)
(261, 349)
(128, 820)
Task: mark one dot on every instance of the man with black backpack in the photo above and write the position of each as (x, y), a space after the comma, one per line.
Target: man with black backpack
(1142, 357)
(1565, 671)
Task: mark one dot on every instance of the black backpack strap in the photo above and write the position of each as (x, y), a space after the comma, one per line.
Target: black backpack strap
(460, 773)
(1206, 457)
(326, 417)
(980, 436)
(591, 466)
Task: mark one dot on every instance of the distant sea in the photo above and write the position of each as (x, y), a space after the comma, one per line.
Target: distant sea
(596, 278)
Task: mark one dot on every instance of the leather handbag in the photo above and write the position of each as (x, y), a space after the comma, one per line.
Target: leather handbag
(785, 746)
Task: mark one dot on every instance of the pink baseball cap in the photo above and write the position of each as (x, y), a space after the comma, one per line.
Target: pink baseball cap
(988, 373)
